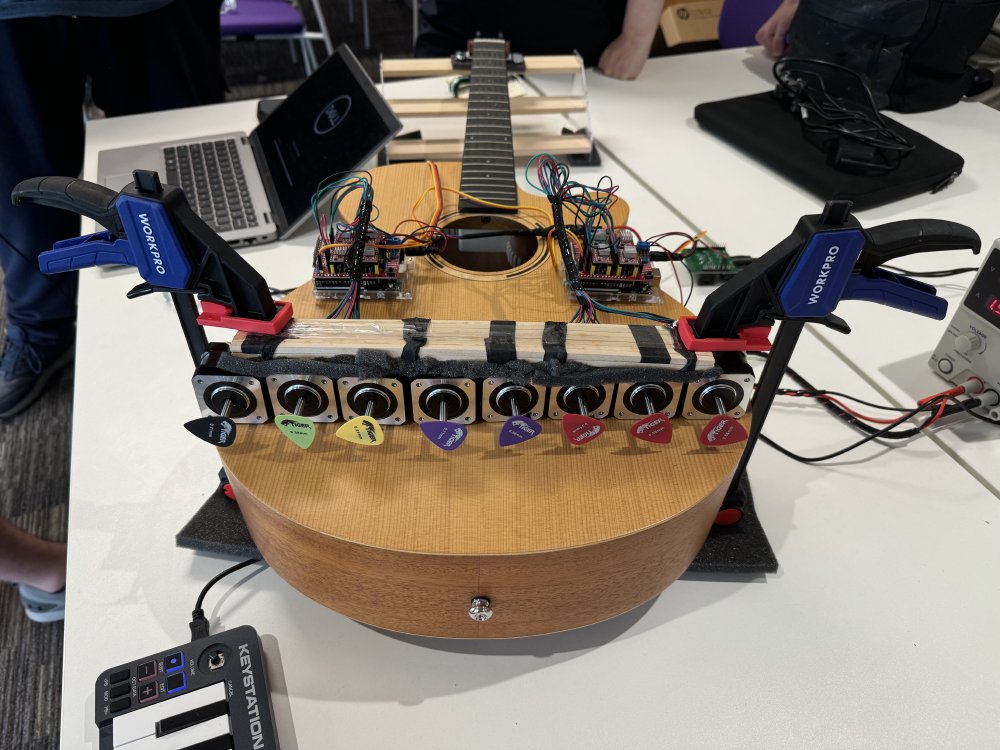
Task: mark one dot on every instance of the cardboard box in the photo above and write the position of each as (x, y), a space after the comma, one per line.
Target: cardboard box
(693, 21)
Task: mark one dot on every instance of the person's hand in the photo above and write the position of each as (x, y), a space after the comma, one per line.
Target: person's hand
(771, 36)
(624, 58)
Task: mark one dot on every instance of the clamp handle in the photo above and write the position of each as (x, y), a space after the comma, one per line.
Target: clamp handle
(900, 292)
(71, 194)
(899, 238)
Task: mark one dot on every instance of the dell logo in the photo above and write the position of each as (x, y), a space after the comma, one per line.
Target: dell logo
(332, 115)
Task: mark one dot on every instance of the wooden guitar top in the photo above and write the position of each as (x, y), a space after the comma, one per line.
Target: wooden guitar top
(407, 496)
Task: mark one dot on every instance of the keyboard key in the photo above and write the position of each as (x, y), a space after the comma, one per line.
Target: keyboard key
(146, 670)
(176, 682)
(198, 737)
(120, 705)
(239, 223)
(141, 723)
(196, 715)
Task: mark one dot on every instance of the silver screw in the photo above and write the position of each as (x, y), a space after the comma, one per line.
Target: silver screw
(480, 610)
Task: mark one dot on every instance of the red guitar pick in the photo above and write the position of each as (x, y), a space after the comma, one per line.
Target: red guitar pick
(655, 428)
(722, 430)
(579, 429)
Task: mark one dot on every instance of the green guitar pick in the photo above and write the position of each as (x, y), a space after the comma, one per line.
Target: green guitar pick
(300, 430)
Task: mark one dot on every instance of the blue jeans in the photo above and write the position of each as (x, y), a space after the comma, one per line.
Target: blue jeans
(158, 60)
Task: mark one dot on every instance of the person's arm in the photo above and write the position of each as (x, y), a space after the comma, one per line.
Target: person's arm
(772, 34)
(626, 55)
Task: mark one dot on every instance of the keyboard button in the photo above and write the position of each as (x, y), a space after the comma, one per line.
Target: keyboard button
(176, 682)
(120, 705)
(119, 690)
(148, 691)
(173, 662)
(120, 676)
(239, 223)
(147, 670)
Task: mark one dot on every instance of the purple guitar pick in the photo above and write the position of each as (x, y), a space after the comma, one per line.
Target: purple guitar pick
(445, 435)
(518, 430)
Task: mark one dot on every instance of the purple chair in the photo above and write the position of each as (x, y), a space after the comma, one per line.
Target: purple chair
(276, 19)
(740, 19)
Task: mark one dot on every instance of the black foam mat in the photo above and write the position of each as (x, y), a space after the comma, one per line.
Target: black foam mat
(218, 528)
(740, 548)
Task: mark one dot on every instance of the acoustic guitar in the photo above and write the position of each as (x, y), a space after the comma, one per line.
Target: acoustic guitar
(484, 541)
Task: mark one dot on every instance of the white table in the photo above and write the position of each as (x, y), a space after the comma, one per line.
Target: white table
(747, 207)
(877, 631)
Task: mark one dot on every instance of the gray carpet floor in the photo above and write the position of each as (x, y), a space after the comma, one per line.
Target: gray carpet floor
(35, 445)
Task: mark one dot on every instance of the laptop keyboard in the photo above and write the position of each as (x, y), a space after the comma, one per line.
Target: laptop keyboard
(211, 176)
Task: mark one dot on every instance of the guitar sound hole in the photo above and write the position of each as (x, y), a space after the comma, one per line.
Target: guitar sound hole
(484, 245)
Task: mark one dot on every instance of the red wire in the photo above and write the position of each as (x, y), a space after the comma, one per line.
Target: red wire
(880, 420)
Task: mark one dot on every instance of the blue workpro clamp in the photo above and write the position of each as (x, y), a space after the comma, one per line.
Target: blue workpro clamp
(827, 258)
(151, 226)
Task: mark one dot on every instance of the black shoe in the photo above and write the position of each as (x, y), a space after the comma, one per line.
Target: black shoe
(26, 369)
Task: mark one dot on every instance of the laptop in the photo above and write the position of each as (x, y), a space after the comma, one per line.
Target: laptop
(257, 187)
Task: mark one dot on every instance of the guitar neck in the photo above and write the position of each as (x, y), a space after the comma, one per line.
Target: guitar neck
(488, 158)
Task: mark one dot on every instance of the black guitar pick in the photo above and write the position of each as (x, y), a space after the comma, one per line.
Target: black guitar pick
(217, 431)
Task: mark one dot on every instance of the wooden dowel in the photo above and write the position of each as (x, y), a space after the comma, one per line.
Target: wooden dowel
(441, 66)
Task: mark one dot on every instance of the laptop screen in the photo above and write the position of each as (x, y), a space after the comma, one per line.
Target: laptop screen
(335, 121)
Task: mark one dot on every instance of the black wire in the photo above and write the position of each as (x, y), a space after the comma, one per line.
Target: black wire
(846, 416)
(867, 439)
(540, 232)
(850, 419)
(223, 574)
(809, 94)
(930, 274)
(820, 392)
(958, 406)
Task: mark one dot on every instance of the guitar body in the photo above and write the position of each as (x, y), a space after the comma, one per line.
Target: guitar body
(548, 535)
(403, 536)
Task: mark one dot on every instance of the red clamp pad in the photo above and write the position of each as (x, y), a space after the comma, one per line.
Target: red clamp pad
(750, 339)
(214, 314)
(728, 516)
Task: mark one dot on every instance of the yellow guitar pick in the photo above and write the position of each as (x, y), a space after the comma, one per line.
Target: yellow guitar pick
(362, 430)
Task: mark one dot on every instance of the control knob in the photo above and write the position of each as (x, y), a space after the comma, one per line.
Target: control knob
(968, 342)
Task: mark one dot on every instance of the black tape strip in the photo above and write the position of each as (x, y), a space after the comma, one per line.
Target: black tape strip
(652, 350)
(414, 336)
(500, 346)
(263, 344)
(690, 360)
(554, 342)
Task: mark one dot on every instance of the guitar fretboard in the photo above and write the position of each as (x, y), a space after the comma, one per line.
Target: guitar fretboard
(488, 158)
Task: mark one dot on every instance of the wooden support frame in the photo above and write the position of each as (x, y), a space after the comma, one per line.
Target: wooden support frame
(570, 142)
